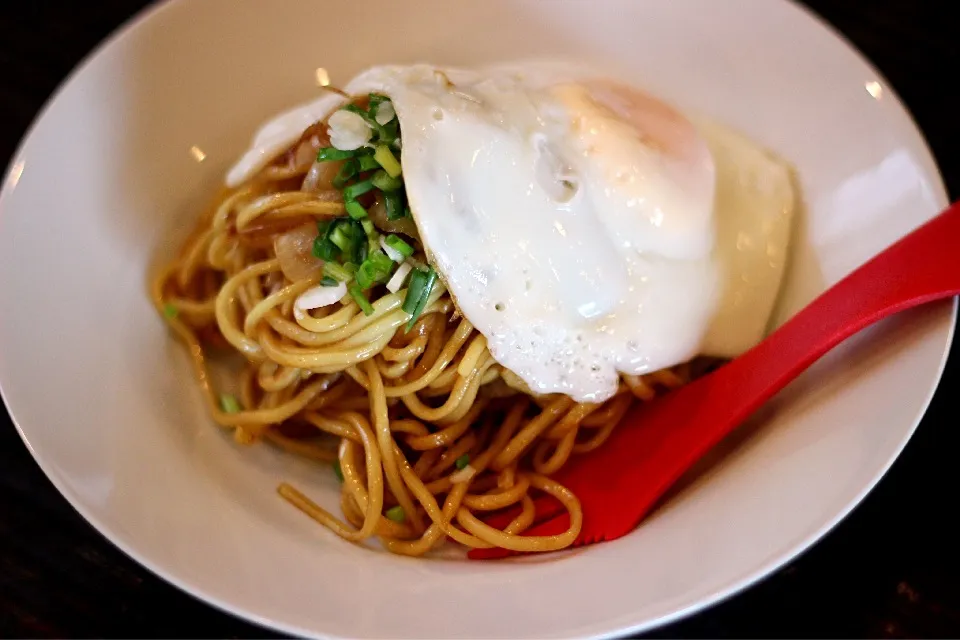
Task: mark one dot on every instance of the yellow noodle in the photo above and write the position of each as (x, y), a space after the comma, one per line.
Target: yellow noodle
(476, 444)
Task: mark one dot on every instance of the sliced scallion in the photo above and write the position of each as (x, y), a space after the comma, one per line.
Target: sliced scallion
(354, 191)
(327, 281)
(332, 153)
(367, 163)
(399, 245)
(421, 284)
(418, 279)
(355, 210)
(341, 239)
(396, 514)
(382, 180)
(229, 403)
(170, 311)
(337, 471)
(336, 271)
(462, 462)
(368, 227)
(324, 249)
(387, 160)
(357, 294)
(394, 203)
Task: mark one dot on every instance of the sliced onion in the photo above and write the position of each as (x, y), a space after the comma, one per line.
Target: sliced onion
(399, 277)
(294, 249)
(320, 296)
(321, 175)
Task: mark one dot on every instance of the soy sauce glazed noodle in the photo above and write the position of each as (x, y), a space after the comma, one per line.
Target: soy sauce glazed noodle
(374, 372)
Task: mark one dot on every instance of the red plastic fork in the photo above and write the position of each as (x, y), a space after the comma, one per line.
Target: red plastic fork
(622, 480)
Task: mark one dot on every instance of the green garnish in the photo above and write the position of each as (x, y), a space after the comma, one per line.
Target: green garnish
(357, 294)
(380, 261)
(382, 180)
(229, 403)
(374, 269)
(397, 244)
(396, 514)
(332, 153)
(394, 202)
(368, 227)
(341, 239)
(387, 160)
(327, 281)
(339, 272)
(337, 471)
(376, 99)
(356, 190)
(170, 311)
(373, 238)
(462, 461)
(368, 163)
(346, 173)
(322, 247)
(422, 282)
(355, 210)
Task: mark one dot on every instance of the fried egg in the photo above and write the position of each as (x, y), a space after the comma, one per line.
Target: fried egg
(584, 227)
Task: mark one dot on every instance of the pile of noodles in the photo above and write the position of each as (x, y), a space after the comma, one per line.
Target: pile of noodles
(396, 412)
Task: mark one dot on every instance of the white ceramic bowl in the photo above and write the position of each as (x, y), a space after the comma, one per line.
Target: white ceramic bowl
(104, 398)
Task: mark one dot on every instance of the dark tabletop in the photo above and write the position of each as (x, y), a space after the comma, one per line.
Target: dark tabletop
(889, 570)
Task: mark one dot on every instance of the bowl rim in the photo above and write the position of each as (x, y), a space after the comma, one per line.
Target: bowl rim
(129, 27)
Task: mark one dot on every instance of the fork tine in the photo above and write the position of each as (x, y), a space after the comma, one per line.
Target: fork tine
(551, 527)
(545, 507)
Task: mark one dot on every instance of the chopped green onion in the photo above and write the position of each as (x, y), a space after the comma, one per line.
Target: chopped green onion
(387, 160)
(397, 244)
(376, 99)
(328, 281)
(340, 238)
(229, 403)
(337, 471)
(347, 171)
(390, 133)
(396, 514)
(422, 282)
(354, 191)
(355, 210)
(380, 261)
(462, 461)
(418, 278)
(360, 248)
(324, 249)
(394, 202)
(360, 299)
(336, 271)
(368, 163)
(368, 227)
(382, 180)
(332, 153)
(375, 268)
(366, 275)
(170, 311)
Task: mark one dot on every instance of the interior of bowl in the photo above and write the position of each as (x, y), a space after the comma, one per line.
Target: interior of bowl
(111, 177)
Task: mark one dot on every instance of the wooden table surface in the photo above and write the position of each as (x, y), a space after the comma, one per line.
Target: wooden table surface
(889, 570)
